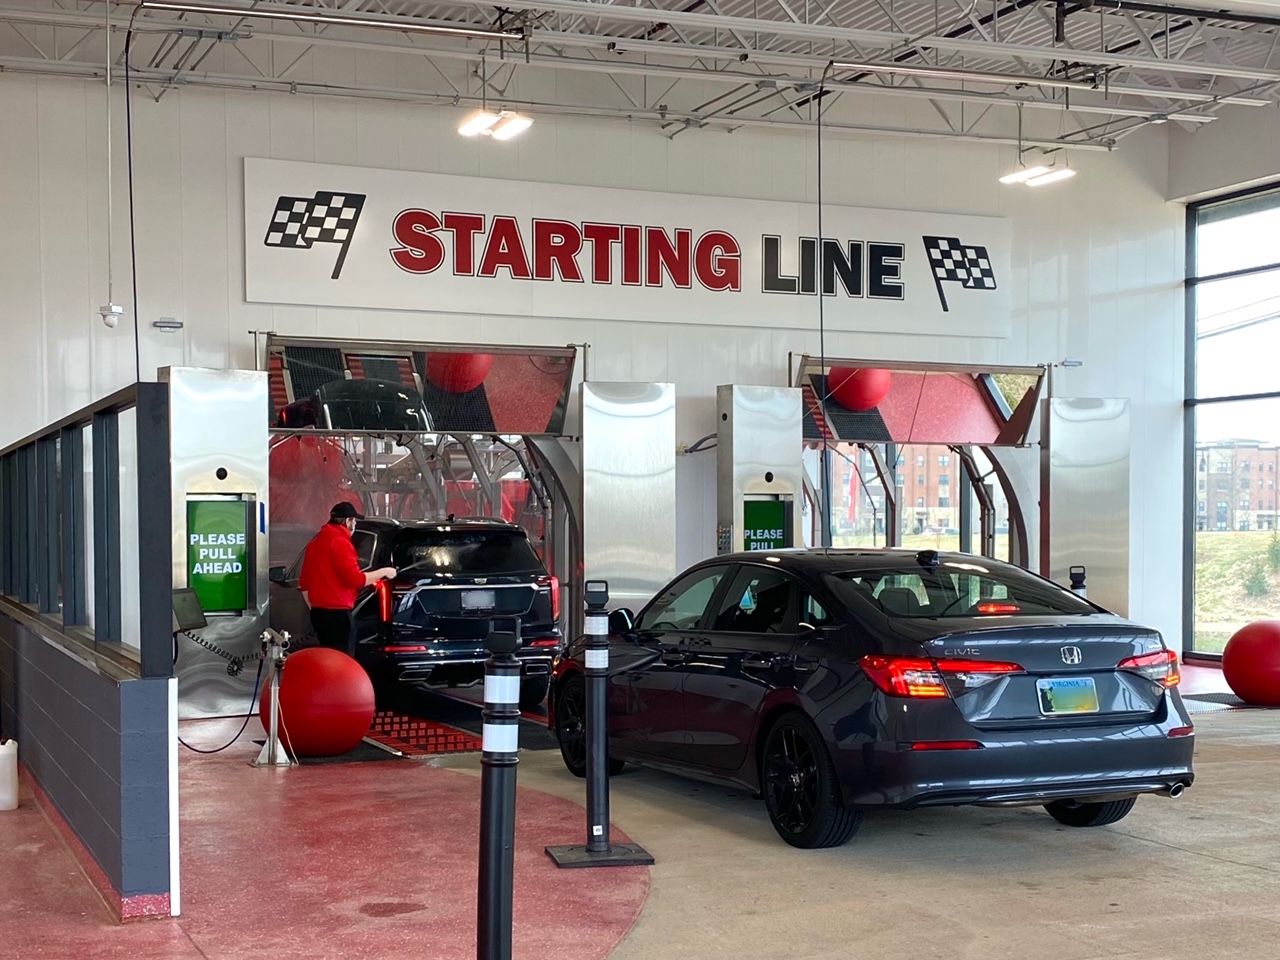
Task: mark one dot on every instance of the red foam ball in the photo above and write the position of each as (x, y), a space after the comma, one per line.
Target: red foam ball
(858, 389)
(1251, 663)
(326, 703)
(458, 372)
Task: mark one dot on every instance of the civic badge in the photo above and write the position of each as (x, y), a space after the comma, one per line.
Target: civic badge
(1071, 655)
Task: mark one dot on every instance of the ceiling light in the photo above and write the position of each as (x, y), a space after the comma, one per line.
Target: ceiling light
(478, 123)
(1053, 176)
(976, 76)
(512, 125)
(1023, 175)
(403, 25)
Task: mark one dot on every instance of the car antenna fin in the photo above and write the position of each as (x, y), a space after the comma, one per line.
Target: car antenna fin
(928, 559)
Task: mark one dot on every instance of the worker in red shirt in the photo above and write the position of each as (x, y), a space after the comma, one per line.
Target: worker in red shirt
(331, 578)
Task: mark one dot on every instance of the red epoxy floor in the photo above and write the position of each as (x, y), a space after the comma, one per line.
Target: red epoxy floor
(348, 861)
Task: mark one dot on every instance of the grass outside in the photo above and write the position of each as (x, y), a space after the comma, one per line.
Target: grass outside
(1237, 578)
(1237, 582)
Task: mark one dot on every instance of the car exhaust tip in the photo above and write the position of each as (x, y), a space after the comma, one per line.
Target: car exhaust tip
(1174, 792)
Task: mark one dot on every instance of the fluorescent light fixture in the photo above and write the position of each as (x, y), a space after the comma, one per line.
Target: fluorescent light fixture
(976, 76)
(1023, 175)
(512, 125)
(403, 25)
(478, 123)
(1053, 176)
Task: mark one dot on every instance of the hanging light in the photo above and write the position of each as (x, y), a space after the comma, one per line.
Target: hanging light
(480, 122)
(1023, 175)
(512, 125)
(501, 126)
(1053, 176)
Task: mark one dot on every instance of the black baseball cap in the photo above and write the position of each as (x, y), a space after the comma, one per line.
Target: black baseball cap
(345, 511)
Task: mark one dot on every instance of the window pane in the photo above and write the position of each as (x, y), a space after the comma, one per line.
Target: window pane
(681, 607)
(933, 523)
(857, 499)
(759, 601)
(1238, 234)
(1237, 544)
(1238, 335)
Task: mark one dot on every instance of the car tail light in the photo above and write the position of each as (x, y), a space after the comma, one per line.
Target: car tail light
(384, 600)
(947, 745)
(553, 584)
(921, 678)
(413, 648)
(1162, 667)
(545, 642)
(990, 608)
(1182, 732)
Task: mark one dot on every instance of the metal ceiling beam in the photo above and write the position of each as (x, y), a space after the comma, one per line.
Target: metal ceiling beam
(835, 127)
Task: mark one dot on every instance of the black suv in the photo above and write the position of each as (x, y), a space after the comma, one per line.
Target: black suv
(423, 627)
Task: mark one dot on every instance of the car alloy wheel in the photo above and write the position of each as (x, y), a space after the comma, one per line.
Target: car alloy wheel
(571, 728)
(800, 787)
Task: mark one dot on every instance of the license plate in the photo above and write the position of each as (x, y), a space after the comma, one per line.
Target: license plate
(479, 600)
(1067, 695)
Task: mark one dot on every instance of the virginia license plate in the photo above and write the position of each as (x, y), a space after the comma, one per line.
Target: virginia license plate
(479, 600)
(1067, 695)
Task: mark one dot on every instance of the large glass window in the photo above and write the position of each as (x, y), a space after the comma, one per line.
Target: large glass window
(1233, 572)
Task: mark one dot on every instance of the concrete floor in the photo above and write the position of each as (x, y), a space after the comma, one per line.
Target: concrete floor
(1188, 879)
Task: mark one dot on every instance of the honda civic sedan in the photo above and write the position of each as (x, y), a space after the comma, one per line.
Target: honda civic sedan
(834, 681)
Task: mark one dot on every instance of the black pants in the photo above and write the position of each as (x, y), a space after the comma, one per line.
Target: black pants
(336, 629)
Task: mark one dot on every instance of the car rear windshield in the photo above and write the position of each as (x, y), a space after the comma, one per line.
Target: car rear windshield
(465, 552)
(958, 589)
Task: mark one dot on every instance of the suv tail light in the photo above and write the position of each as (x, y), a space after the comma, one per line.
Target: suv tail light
(383, 589)
(552, 584)
(920, 678)
(1162, 667)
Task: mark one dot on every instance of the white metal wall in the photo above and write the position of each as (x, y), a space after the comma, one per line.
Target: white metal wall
(1098, 262)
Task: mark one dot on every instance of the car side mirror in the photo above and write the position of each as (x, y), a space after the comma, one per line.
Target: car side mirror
(277, 574)
(622, 622)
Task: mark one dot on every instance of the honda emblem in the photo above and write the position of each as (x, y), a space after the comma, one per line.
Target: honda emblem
(1071, 655)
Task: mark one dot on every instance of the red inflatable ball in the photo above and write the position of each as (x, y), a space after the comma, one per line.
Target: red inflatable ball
(326, 703)
(1251, 663)
(458, 372)
(856, 389)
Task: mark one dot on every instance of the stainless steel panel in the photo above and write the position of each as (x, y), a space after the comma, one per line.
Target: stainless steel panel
(628, 465)
(218, 420)
(1084, 504)
(759, 450)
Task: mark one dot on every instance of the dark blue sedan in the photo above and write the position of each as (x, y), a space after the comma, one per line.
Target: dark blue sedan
(831, 681)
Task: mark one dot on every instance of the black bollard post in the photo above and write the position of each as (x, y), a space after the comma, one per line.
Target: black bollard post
(599, 851)
(498, 795)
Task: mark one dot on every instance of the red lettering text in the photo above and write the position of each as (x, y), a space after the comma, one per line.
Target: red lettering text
(663, 255)
(505, 248)
(555, 244)
(718, 261)
(465, 226)
(602, 237)
(420, 250)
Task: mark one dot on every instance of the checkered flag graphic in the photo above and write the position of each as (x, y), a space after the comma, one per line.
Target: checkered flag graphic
(951, 261)
(299, 222)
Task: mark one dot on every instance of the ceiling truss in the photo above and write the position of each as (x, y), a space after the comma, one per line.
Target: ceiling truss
(714, 65)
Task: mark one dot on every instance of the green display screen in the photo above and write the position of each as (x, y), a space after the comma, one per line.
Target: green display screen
(218, 554)
(764, 524)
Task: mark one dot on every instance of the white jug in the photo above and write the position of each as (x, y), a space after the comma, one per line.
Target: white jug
(9, 775)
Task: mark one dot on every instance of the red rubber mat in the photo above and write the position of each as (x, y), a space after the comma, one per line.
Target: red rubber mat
(419, 738)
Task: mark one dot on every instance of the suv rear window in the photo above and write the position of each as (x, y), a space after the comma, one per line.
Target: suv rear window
(465, 552)
(957, 589)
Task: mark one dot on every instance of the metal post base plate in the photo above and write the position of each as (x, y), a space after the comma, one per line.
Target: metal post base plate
(618, 855)
(264, 757)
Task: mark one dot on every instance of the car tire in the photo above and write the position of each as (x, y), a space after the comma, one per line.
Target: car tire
(800, 787)
(1073, 814)
(571, 728)
(533, 690)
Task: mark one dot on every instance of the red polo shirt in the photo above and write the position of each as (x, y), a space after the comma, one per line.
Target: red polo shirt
(331, 575)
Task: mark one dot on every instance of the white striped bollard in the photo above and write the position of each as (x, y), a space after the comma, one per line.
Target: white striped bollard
(498, 795)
